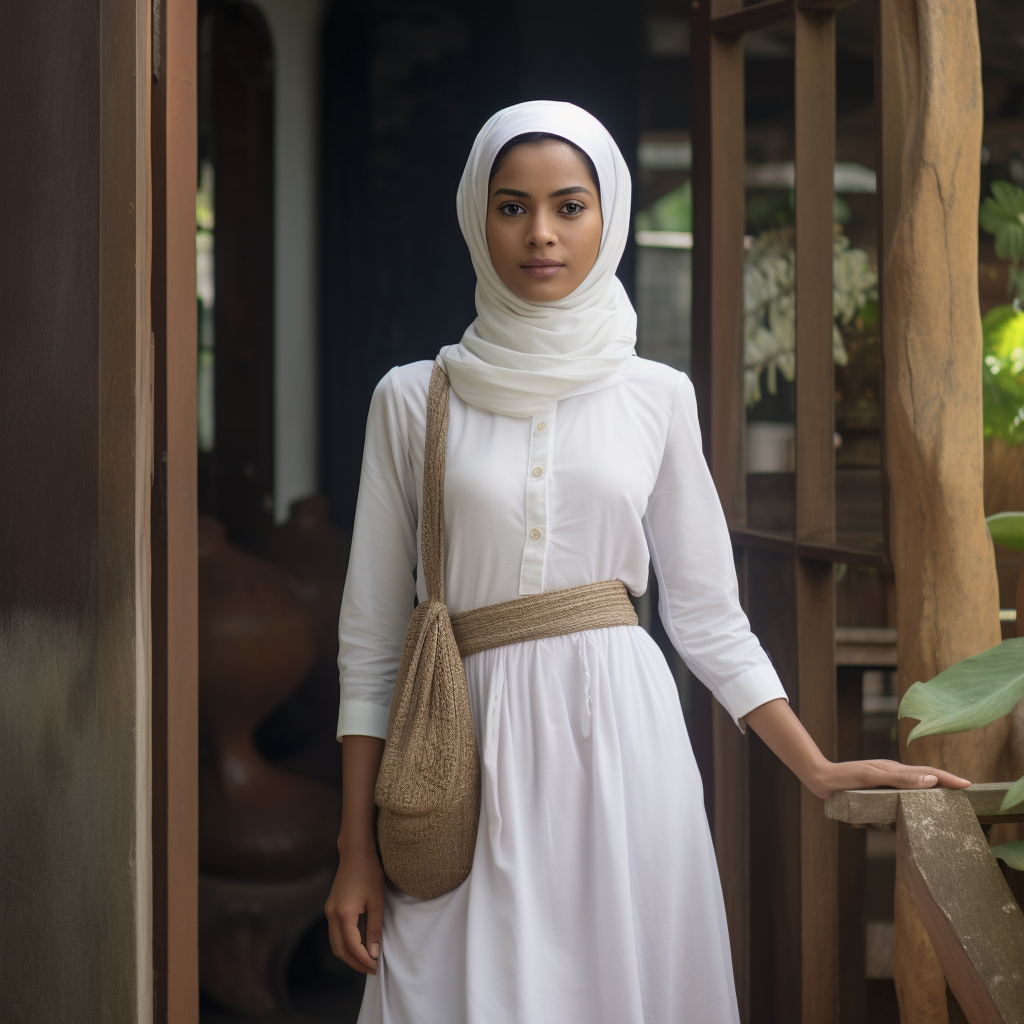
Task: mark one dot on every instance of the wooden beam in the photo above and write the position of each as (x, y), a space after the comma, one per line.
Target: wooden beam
(975, 925)
(852, 859)
(748, 19)
(728, 217)
(813, 550)
(815, 496)
(719, 222)
(174, 533)
(877, 807)
(770, 12)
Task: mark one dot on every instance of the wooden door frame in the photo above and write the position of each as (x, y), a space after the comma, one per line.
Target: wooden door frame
(175, 722)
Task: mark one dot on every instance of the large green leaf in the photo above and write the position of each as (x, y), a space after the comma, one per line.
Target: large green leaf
(1014, 795)
(1007, 529)
(969, 694)
(1012, 854)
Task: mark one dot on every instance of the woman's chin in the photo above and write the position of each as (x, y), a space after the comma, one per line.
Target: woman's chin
(532, 290)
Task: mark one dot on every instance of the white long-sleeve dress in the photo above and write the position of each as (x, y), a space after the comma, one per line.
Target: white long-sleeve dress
(594, 896)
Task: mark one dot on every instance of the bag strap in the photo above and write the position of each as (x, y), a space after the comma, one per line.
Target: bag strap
(432, 525)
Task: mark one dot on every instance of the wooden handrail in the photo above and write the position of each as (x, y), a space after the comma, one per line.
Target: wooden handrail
(972, 919)
(878, 807)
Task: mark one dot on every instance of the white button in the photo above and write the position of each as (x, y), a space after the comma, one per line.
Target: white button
(535, 534)
(541, 425)
(537, 471)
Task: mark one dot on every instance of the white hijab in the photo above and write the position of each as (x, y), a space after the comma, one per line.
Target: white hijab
(517, 356)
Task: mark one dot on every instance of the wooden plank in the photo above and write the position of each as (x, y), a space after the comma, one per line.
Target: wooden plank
(815, 497)
(852, 859)
(838, 551)
(717, 363)
(700, 178)
(813, 550)
(769, 12)
(728, 205)
(732, 825)
(748, 19)
(763, 540)
(732, 843)
(877, 807)
(730, 752)
(775, 912)
(972, 919)
(815, 159)
(174, 533)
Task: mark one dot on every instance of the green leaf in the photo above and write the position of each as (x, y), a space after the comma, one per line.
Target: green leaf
(1002, 374)
(1014, 795)
(1007, 529)
(969, 694)
(1011, 854)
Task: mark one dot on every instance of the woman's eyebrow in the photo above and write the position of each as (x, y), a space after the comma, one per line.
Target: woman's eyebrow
(572, 190)
(511, 192)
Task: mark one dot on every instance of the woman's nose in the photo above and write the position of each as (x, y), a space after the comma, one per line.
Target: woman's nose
(541, 231)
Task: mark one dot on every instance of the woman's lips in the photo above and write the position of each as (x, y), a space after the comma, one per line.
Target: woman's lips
(542, 268)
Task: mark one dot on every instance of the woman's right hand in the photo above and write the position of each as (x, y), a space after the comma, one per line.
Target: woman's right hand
(358, 889)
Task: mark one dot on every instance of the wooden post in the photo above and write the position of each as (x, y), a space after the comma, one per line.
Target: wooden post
(174, 535)
(815, 497)
(946, 593)
(718, 365)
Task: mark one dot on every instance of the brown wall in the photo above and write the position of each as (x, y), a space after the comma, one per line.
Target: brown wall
(73, 455)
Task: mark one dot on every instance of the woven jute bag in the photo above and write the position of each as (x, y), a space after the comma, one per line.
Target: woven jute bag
(428, 788)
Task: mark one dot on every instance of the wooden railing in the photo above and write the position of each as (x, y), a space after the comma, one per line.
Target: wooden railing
(972, 918)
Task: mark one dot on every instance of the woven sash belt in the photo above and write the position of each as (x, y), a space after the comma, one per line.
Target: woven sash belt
(538, 616)
(428, 787)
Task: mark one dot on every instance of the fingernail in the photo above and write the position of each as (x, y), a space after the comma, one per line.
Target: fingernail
(929, 780)
(375, 950)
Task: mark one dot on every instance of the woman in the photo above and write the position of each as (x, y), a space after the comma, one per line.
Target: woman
(594, 894)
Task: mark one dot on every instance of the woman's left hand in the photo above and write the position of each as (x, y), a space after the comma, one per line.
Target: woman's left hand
(874, 774)
(776, 724)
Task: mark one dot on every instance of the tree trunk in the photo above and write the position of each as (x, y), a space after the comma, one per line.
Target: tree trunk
(946, 590)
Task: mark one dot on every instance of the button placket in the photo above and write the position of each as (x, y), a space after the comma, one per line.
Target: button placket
(531, 579)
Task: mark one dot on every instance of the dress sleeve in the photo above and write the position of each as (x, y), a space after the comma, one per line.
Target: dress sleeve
(380, 588)
(692, 556)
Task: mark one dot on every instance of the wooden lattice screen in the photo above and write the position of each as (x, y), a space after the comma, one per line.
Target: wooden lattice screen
(806, 982)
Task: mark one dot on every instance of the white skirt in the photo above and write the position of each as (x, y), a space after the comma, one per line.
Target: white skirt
(594, 896)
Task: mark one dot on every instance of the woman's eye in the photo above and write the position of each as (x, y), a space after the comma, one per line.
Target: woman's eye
(572, 208)
(512, 209)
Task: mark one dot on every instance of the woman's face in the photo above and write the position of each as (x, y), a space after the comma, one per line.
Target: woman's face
(543, 220)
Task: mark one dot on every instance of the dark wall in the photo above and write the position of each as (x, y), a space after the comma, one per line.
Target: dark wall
(406, 87)
(236, 134)
(68, 727)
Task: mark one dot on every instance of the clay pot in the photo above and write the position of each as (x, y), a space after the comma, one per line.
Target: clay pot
(256, 645)
(315, 555)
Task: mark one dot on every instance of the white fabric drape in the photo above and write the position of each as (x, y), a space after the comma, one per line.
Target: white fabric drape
(518, 355)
